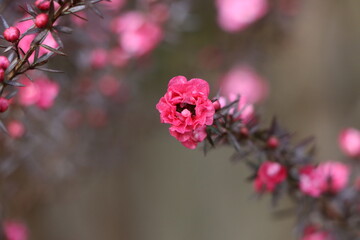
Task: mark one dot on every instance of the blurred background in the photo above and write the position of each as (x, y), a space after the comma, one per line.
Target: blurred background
(122, 176)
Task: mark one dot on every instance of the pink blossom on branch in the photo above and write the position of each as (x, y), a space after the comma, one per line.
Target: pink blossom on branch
(187, 108)
(269, 175)
(349, 141)
(328, 177)
(236, 15)
(244, 81)
(312, 233)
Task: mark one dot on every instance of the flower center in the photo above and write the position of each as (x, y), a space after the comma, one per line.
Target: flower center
(185, 106)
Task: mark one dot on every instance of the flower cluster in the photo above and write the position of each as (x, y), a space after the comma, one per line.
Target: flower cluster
(325, 194)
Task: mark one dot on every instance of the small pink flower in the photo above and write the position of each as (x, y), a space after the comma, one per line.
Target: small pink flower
(335, 176)
(186, 107)
(138, 35)
(310, 181)
(269, 175)
(14, 230)
(16, 129)
(312, 233)
(349, 141)
(327, 177)
(41, 92)
(244, 81)
(236, 15)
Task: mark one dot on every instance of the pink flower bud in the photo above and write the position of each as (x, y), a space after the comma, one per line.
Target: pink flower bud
(12, 34)
(16, 129)
(4, 104)
(41, 20)
(349, 141)
(217, 105)
(43, 5)
(272, 142)
(4, 62)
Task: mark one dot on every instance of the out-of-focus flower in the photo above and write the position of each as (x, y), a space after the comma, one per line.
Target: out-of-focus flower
(269, 175)
(25, 42)
(16, 129)
(187, 108)
(41, 92)
(159, 12)
(327, 177)
(312, 233)
(244, 81)
(98, 58)
(97, 117)
(349, 141)
(109, 85)
(236, 15)
(138, 35)
(246, 110)
(118, 57)
(15, 230)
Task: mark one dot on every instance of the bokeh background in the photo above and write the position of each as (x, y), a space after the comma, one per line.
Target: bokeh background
(136, 182)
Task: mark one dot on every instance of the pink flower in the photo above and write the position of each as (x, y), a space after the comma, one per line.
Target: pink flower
(138, 35)
(312, 233)
(25, 42)
(269, 175)
(349, 141)
(244, 81)
(327, 177)
(236, 15)
(186, 107)
(14, 230)
(16, 129)
(41, 92)
(310, 181)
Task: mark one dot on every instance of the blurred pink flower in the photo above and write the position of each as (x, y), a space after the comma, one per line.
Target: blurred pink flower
(187, 108)
(310, 181)
(312, 233)
(244, 81)
(98, 58)
(236, 15)
(247, 111)
(15, 230)
(41, 92)
(327, 177)
(349, 141)
(109, 85)
(118, 57)
(138, 35)
(269, 175)
(25, 42)
(16, 129)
